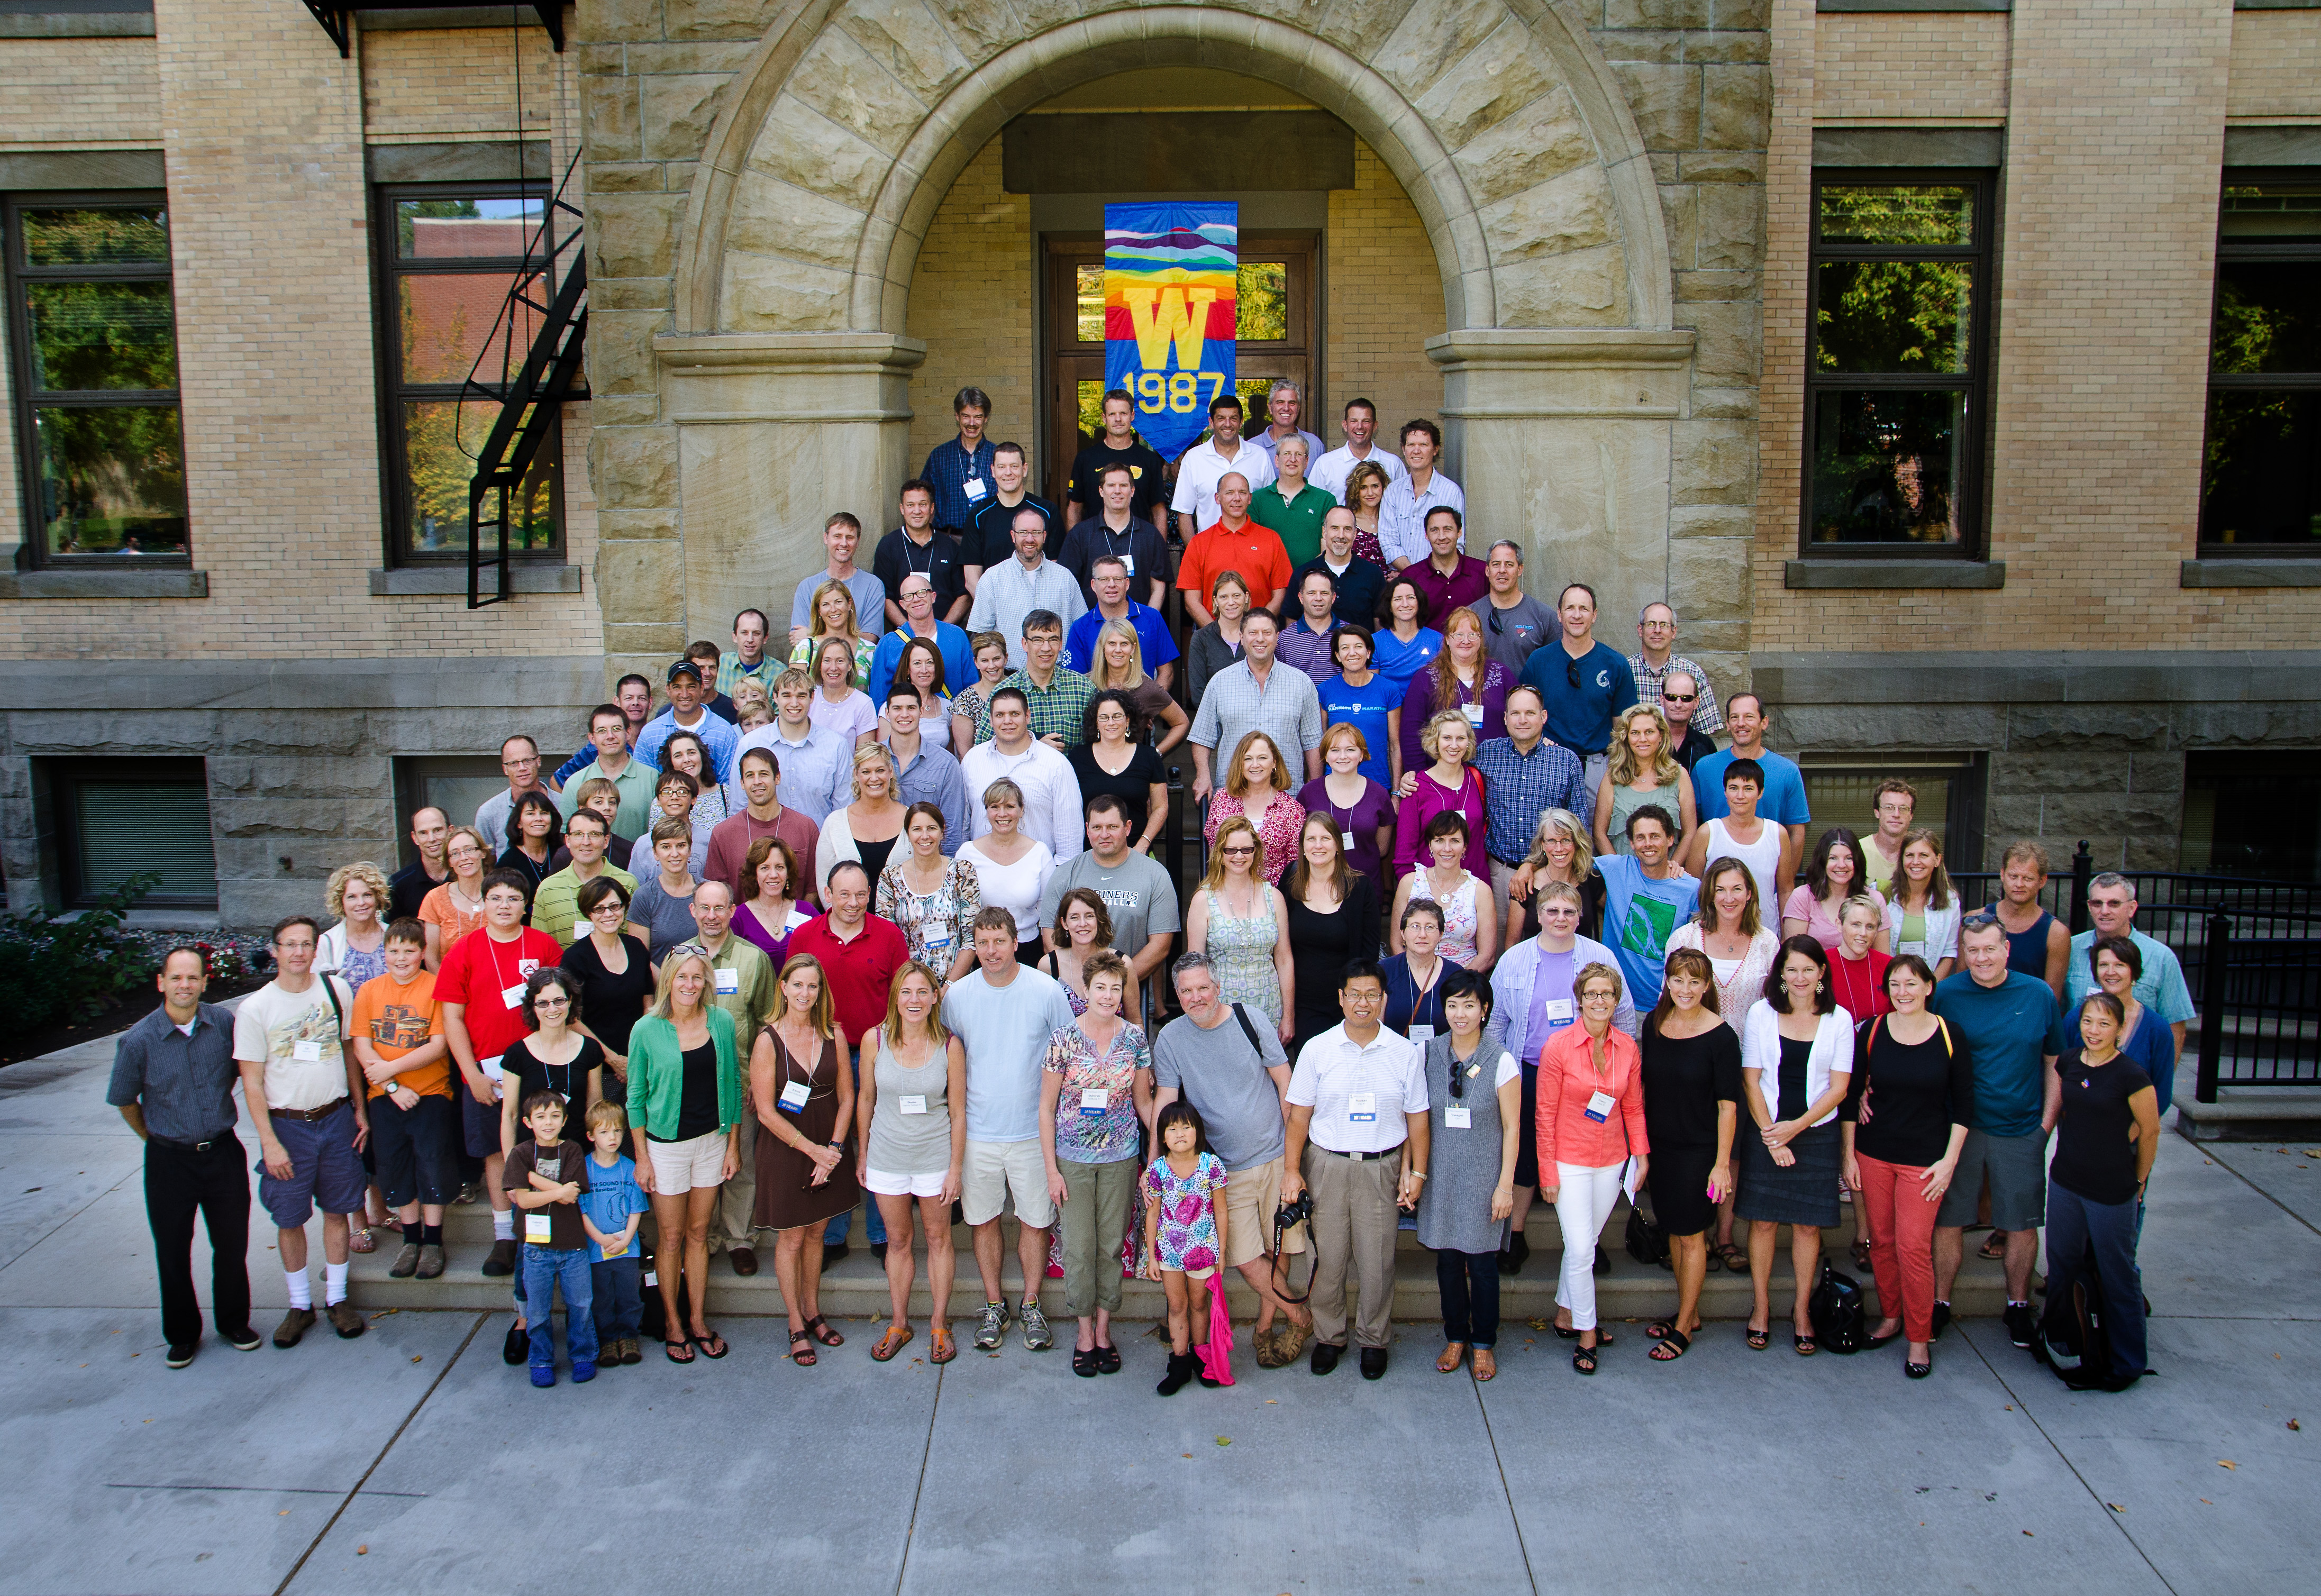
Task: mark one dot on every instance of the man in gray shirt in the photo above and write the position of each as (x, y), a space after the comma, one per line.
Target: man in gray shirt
(173, 1075)
(1136, 891)
(1231, 1068)
(1515, 624)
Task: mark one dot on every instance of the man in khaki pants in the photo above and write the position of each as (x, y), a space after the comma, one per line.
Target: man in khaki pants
(742, 986)
(1357, 1130)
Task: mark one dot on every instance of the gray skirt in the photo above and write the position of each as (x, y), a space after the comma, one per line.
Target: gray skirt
(1804, 1193)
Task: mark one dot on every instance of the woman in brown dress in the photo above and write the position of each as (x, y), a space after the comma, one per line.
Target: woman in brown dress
(804, 1095)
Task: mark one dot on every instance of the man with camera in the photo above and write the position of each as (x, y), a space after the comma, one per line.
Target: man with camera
(1231, 1068)
(1358, 1136)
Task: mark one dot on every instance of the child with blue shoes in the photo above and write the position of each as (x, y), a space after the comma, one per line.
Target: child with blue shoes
(545, 1179)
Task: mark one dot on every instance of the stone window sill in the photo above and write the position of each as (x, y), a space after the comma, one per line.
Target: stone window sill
(435, 581)
(2250, 573)
(104, 583)
(1831, 574)
(78, 24)
(1914, 6)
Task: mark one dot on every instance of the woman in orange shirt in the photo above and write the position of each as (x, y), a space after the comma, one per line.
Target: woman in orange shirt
(1590, 1076)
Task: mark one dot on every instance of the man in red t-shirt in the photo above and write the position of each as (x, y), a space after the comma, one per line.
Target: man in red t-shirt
(860, 953)
(481, 987)
(1232, 543)
(729, 839)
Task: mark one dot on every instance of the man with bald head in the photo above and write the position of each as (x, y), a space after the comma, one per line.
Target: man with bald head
(1361, 582)
(408, 887)
(1234, 542)
(1014, 589)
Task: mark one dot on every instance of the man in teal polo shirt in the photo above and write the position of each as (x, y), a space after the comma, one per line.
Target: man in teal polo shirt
(608, 731)
(2111, 905)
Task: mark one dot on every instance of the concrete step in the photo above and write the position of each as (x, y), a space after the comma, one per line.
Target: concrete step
(2252, 1113)
(856, 1286)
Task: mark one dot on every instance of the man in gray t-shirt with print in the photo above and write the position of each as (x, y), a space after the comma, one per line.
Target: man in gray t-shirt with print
(1136, 891)
(1231, 1067)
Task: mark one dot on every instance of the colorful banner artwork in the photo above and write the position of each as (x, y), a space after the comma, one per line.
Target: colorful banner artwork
(1169, 273)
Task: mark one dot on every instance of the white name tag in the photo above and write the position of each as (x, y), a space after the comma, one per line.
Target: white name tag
(934, 935)
(1129, 560)
(538, 1227)
(1362, 1107)
(1093, 1100)
(513, 996)
(1599, 1107)
(729, 981)
(1422, 1034)
(1458, 1116)
(1559, 1011)
(306, 1052)
(614, 1250)
(795, 1095)
(1474, 714)
(974, 488)
(1917, 947)
(1346, 840)
(914, 1103)
(491, 1067)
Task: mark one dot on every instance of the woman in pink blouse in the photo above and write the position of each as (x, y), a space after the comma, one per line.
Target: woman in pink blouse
(1447, 785)
(1257, 785)
(1591, 1124)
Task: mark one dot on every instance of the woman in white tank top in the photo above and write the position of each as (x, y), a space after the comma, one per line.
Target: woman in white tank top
(1740, 835)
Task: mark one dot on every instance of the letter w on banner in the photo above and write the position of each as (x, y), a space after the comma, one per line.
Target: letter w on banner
(1169, 273)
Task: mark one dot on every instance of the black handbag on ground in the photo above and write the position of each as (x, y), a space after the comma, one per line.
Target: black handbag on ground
(1836, 1312)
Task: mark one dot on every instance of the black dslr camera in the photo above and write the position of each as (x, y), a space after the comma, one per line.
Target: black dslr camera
(1291, 1215)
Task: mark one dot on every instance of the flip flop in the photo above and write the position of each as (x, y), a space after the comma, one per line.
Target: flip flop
(669, 1350)
(1994, 1247)
(1672, 1345)
(895, 1338)
(713, 1345)
(944, 1348)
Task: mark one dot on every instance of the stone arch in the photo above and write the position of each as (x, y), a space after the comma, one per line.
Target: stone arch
(847, 127)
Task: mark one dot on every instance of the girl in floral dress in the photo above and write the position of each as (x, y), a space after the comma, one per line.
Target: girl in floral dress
(1185, 1227)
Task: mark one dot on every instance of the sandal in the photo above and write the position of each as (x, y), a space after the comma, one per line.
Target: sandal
(801, 1348)
(895, 1338)
(1917, 1371)
(944, 1348)
(1108, 1360)
(1084, 1364)
(1759, 1340)
(1659, 1329)
(1603, 1336)
(361, 1240)
(1453, 1354)
(1672, 1346)
(712, 1345)
(1993, 1247)
(1805, 1345)
(1735, 1261)
(823, 1333)
(1583, 1360)
(1861, 1253)
(670, 1349)
(1486, 1363)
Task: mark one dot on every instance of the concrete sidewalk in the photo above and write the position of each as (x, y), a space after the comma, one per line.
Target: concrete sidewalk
(414, 1459)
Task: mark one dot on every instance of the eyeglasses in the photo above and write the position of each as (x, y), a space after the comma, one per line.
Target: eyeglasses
(1240, 851)
(557, 1001)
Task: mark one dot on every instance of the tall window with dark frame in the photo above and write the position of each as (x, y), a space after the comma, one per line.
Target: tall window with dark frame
(448, 255)
(1894, 376)
(95, 370)
(2261, 472)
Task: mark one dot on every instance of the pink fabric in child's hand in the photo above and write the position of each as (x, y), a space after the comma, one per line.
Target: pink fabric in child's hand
(1216, 1358)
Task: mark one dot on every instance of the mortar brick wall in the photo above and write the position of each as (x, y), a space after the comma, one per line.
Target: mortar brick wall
(1893, 67)
(2276, 73)
(441, 83)
(1385, 301)
(81, 94)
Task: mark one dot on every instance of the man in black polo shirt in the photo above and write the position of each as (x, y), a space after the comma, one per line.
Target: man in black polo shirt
(173, 1075)
(1359, 583)
(408, 887)
(1119, 446)
(919, 545)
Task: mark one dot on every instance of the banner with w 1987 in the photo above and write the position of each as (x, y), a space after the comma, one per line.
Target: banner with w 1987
(1169, 273)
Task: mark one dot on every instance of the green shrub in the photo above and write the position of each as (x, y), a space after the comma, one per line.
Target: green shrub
(59, 971)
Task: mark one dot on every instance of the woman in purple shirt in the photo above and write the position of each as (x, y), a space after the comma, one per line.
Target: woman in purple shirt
(1359, 806)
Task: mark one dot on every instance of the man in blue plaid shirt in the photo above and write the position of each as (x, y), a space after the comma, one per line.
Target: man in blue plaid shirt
(959, 469)
(1523, 774)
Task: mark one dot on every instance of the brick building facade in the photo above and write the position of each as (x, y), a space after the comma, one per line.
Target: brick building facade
(1580, 231)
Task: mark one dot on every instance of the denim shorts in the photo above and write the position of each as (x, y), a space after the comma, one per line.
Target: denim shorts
(323, 1170)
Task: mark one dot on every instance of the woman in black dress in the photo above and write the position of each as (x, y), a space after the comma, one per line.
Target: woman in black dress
(1116, 759)
(1332, 921)
(1692, 1096)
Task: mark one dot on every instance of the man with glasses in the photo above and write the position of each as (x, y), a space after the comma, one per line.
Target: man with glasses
(2111, 905)
(2013, 1030)
(1656, 631)
(1010, 592)
(1584, 683)
(1258, 693)
(1108, 578)
(481, 987)
(1680, 693)
(1357, 1133)
(1515, 624)
(555, 907)
(918, 597)
(519, 763)
(1056, 695)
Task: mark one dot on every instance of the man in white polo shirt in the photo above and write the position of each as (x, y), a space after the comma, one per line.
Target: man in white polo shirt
(1197, 473)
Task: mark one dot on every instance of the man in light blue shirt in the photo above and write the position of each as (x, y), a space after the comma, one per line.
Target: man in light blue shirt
(1013, 589)
(1003, 1013)
(685, 713)
(918, 600)
(2111, 905)
(817, 766)
(1783, 800)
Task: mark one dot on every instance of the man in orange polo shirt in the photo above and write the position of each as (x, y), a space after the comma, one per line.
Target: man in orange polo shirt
(1233, 543)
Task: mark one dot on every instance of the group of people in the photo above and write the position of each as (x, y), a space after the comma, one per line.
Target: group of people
(895, 938)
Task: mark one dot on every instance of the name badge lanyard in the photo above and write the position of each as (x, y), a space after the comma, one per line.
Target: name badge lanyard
(791, 1085)
(1426, 1002)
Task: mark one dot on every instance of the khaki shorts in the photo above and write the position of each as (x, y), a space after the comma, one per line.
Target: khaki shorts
(682, 1166)
(1251, 1197)
(995, 1170)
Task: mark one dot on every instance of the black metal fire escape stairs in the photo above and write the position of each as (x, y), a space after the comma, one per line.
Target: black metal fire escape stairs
(338, 20)
(550, 296)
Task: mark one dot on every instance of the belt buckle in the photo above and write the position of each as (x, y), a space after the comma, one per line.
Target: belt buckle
(204, 1147)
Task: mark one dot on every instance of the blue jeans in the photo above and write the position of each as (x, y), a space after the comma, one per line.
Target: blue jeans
(544, 1270)
(2075, 1226)
(619, 1308)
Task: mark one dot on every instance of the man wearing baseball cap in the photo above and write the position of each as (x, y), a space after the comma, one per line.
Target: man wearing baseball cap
(686, 713)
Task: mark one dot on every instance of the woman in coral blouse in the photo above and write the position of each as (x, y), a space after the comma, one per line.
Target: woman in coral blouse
(1592, 1128)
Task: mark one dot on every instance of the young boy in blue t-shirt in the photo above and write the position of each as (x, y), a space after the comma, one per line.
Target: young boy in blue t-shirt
(609, 1211)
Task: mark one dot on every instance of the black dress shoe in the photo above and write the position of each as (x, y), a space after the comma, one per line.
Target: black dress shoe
(1373, 1362)
(1512, 1255)
(744, 1260)
(517, 1347)
(1325, 1357)
(830, 1254)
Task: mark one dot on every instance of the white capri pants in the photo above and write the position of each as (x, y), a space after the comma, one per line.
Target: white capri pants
(1584, 1200)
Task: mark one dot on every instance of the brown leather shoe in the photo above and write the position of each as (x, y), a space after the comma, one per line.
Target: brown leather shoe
(745, 1260)
(345, 1320)
(295, 1324)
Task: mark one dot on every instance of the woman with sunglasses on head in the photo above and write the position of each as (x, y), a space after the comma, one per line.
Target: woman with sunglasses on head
(1692, 1102)
(1559, 852)
(1474, 1091)
(1797, 1058)
(686, 1111)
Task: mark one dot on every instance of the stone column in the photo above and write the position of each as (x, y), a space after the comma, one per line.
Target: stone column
(1564, 439)
(776, 431)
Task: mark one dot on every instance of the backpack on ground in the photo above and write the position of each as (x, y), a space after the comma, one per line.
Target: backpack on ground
(1836, 1312)
(2070, 1338)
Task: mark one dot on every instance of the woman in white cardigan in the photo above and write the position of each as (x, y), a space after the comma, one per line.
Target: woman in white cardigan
(1922, 909)
(1796, 1059)
(865, 830)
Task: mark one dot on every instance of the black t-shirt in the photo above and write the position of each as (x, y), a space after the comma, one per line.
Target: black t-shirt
(1361, 587)
(570, 1163)
(406, 889)
(527, 1074)
(1694, 749)
(939, 562)
(611, 1004)
(696, 1113)
(1093, 538)
(2093, 1157)
(534, 874)
(1685, 1078)
(1916, 1093)
(1133, 786)
(992, 540)
(1149, 468)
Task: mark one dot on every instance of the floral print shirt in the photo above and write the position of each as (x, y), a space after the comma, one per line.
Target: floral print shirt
(1188, 1211)
(1098, 1132)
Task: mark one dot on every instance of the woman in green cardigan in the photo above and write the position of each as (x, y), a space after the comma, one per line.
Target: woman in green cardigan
(685, 1100)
